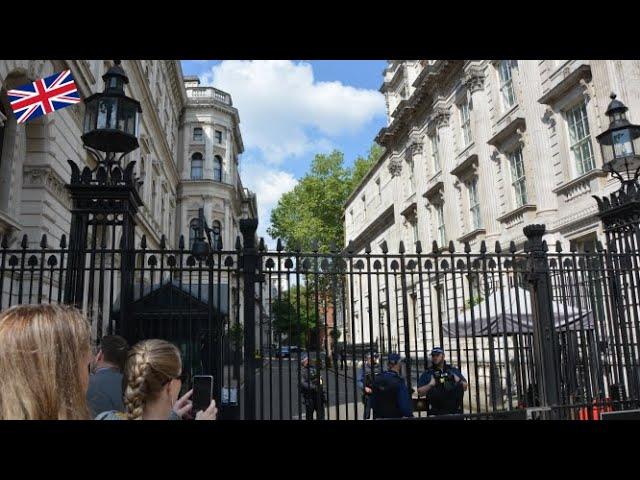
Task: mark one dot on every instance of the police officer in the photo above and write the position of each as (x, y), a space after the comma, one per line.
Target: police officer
(312, 389)
(390, 396)
(443, 385)
(365, 381)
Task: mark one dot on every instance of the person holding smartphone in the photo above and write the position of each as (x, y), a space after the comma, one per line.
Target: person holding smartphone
(153, 378)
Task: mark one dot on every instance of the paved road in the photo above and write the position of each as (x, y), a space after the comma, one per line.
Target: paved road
(278, 380)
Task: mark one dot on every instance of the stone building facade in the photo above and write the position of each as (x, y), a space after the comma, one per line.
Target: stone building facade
(477, 149)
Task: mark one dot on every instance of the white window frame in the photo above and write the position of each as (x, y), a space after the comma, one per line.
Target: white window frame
(465, 123)
(435, 153)
(577, 119)
(219, 137)
(201, 168)
(518, 178)
(440, 224)
(201, 136)
(507, 92)
(475, 219)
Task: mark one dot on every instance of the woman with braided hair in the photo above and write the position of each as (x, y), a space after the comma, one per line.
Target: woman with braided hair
(44, 363)
(152, 382)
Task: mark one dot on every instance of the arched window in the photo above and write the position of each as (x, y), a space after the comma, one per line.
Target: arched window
(217, 168)
(216, 228)
(194, 227)
(196, 166)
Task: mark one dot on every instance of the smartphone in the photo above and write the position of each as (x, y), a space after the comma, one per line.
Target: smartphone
(202, 392)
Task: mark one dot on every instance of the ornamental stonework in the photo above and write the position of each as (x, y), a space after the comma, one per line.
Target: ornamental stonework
(395, 167)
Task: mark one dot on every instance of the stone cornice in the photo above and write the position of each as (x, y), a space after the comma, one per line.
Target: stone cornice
(43, 176)
(572, 78)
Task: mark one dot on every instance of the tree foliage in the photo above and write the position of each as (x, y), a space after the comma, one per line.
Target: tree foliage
(294, 315)
(313, 210)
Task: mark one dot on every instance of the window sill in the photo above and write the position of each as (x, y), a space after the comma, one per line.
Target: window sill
(468, 237)
(516, 216)
(466, 151)
(580, 185)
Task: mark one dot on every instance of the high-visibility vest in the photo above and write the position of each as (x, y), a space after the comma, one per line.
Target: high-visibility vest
(596, 410)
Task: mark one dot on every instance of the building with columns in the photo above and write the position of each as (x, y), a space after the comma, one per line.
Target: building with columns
(477, 149)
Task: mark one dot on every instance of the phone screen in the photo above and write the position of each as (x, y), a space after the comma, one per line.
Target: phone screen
(202, 392)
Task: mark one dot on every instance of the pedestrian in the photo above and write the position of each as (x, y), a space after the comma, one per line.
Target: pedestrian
(311, 387)
(45, 355)
(153, 378)
(343, 359)
(390, 396)
(105, 384)
(366, 375)
(443, 385)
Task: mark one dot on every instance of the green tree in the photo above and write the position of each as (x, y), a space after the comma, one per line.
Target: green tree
(294, 315)
(313, 210)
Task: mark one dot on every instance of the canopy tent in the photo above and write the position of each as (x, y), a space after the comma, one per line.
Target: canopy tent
(490, 318)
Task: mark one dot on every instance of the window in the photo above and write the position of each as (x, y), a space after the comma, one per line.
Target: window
(153, 198)
(580, 138)
(218, 136)
(518, 178)
(474, 204)
(414, 227)
(506, 85)
(440, 223)
(412, 177)
(196, 166)
(197, 134)
(465, 123)
(217, 168)
(216, 228)
(194, 230)
(435, 155)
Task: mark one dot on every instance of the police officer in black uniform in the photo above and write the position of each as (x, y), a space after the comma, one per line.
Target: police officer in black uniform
(443, 385)
(390, 396)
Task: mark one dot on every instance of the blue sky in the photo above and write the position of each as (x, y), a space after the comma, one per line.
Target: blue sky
(291, 110)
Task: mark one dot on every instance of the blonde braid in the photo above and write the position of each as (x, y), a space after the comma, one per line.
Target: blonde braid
(150, 365)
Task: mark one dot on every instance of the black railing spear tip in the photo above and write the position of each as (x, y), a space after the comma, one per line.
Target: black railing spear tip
(573, 248)
(483, 247)
(181, 242)
(5, 243)
(314, 245)
(418, 247)
(238, 243)
(278, 245)
(545, 247)
(219, 243)
(261, 246)
(512, 247)
(558, 246)
(434, 247)
(63, 241)
(25, 241)
(163, 242)
(384, 247)
(498, 248)
(350, 247)
(599, 246)
(467, 247)
(367, 248)
(452, 247)
(333, 248)
(401, 249)
(298, 247)
(143, 241)
(43, 241)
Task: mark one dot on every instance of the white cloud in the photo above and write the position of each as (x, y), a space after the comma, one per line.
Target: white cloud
(269, 184)
(285, 113)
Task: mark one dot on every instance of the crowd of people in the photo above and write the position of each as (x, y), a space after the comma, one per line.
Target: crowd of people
(48, 372)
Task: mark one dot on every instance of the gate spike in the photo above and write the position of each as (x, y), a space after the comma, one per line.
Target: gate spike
(483, 247)
(297, 248)
(401, 248)
(599, 246)
(219, 243)
(314, 245)
(467, 247)
(143, 241)
(261, 247)
(545, 247)
(558, 246)
(586, 248)
(43, 241)
(498, 248)
(418, 247)
(434, 247)
(367, 248)
(63, 241)
(25, 241)
(350, 247)
(573, 248)
(163, 242)
(181, 242)
(279, 245)
(5, 243)
(384, 247)
(452, 247)
(512, 247)
(333, 248)
(238, 243)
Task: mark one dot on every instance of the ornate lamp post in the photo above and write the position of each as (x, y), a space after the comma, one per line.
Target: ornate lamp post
(106, 197)
(620, 144)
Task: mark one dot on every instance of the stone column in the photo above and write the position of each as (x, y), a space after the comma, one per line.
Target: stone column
(481, 122)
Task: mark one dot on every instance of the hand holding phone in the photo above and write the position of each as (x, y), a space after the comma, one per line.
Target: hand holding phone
(202, 392)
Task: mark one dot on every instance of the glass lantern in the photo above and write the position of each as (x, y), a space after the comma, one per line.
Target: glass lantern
(111, 118)
(620, 143)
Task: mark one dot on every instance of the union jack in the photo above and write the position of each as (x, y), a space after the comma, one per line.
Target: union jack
(43, 96)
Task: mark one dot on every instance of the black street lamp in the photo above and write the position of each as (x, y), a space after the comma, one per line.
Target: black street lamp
(200, 249)
(620, 144)
(111, 118)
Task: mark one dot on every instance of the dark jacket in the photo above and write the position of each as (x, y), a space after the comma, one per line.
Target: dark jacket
(310, 380)
(105, 391)
(390, 397)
